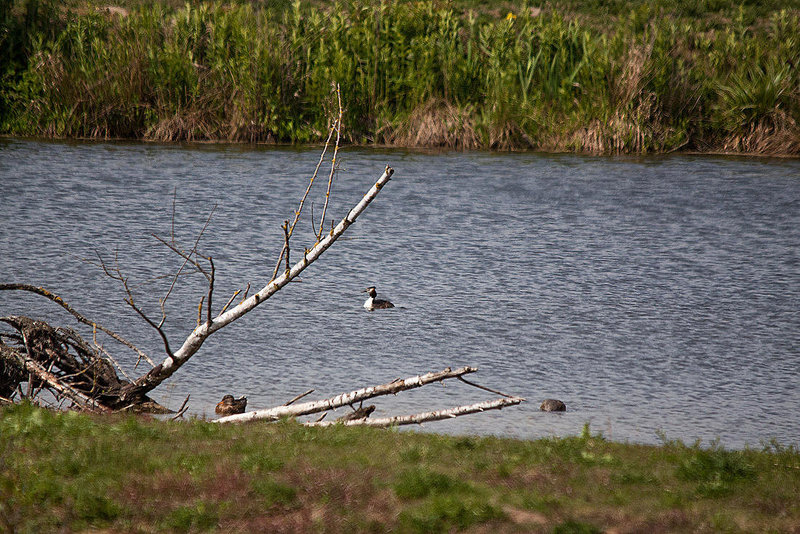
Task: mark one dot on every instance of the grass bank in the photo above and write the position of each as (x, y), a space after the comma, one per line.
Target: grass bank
(71, 472)
(597, 76)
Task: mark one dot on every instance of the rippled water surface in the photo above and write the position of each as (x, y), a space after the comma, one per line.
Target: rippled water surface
(655, 296)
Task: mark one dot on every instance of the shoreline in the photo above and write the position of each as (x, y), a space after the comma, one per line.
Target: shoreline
(417, 148)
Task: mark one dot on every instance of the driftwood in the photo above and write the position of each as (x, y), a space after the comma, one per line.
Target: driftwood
(345, 399)
(392, 388)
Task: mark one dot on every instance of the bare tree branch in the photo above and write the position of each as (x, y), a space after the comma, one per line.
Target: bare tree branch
(187, 258)
(182, 409)
(195, 340)
(286, 242)
(230, 300)
(308, 190)
(210, 289)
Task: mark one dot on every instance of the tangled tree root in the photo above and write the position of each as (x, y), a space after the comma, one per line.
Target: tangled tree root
(60, 362)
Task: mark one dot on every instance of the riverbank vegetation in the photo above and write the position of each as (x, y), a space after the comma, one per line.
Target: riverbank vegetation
(71, 472)
(597, 76)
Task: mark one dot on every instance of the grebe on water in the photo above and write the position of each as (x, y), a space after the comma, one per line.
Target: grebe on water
(375, 304)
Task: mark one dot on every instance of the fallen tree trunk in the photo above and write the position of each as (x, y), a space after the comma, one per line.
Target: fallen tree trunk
(345, 399)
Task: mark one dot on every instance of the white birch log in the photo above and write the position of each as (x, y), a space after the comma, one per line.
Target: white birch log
(418, 419)
(345, 399)
(195, 340)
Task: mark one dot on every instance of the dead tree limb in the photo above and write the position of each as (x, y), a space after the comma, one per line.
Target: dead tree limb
(60, 361)
(418, 419)
(195, 340)
(345, 399)
(335, 127)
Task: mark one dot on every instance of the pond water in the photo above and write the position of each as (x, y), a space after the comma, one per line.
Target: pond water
(656, 296)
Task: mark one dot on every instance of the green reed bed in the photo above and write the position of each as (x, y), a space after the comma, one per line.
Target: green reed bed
(598, 77)
(66, 472)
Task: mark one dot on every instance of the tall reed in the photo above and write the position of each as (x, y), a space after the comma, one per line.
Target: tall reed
(652, 77)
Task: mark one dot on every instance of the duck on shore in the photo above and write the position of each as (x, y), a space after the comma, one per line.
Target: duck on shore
(229, 406)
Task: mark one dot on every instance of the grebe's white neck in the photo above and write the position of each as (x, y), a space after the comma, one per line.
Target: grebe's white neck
(368, 303)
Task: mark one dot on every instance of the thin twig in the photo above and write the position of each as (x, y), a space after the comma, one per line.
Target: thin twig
(286, 244)
(299, 209)
(488, 389)
(100, 348)
(334, 162)
(174, 200)
(187, 257)
(182, 409)
(210, 289)
(297, 398)
(129, 300)
(230, 300)
(200, 310)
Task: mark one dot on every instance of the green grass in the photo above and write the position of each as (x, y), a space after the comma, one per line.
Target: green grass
(72, 472)
(600, 76)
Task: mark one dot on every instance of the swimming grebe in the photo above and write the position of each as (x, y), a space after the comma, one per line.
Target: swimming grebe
(375, 304)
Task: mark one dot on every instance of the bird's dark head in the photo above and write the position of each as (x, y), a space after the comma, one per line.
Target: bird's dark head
(371, 291)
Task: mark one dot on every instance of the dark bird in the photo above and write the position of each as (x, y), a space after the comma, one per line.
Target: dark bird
(358, 413)
(375, 304)
(229, 406)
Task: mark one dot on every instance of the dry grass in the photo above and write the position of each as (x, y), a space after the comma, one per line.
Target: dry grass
(437, 124)
(777, 135)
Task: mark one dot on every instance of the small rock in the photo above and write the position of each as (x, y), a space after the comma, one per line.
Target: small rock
(553, 405)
